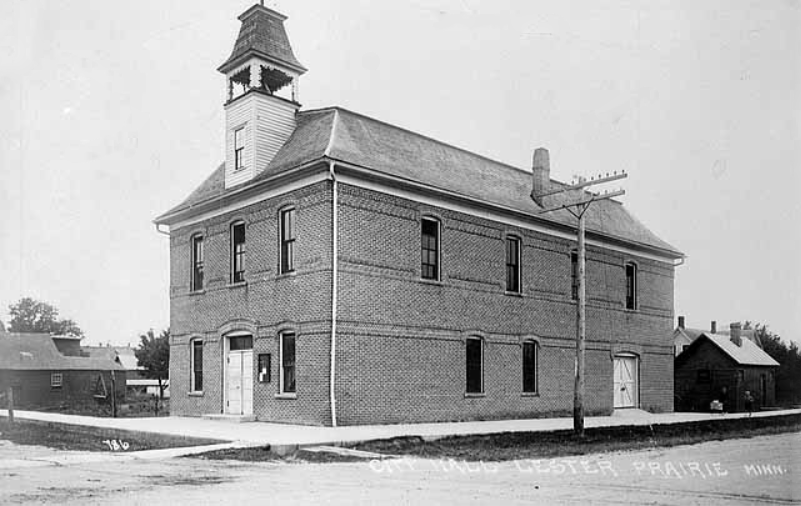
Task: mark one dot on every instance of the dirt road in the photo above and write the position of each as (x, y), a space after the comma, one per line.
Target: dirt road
(762, 470)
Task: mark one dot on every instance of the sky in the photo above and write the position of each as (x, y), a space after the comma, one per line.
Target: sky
(111, 113)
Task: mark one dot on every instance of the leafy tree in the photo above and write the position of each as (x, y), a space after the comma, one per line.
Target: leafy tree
(788, 374)
(31, 315)
(153, 354)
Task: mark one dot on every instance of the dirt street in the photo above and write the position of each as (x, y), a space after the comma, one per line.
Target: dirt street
(761, 470)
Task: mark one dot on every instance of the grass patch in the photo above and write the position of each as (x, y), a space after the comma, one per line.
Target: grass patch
(523, 445)
(263, 454)
(78, 437)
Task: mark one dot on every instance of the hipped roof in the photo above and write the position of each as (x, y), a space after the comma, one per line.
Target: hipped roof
(340, 135)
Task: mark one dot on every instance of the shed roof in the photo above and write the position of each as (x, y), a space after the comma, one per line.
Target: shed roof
(31, 351)
(341, 135)
(125, 354)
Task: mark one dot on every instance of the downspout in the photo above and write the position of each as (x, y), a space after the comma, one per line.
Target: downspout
(334, 276)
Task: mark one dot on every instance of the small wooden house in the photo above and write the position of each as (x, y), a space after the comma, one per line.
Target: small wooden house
(45, 371)
(723, 367)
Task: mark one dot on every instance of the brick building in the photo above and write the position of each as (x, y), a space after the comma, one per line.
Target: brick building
(718, 366)
(336, 269)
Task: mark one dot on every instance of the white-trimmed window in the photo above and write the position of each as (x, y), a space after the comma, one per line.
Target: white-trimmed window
(474, 365)
(429, 249)
(530, 363)
(631, 285)
(287, 228)
(239, 148)
(56, 380)
(196, 365)
(287, 360)
(513, 265)
(238, 252)
(197, 263)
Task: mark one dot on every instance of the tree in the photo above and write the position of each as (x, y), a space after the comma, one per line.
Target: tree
(153, 354)
(31, 315)
(788, 374)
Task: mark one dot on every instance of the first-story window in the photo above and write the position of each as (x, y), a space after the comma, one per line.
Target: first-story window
(238, 252)
(56, 380)
(474, 366)
(196, 366)
(631, 286)
(197, 263)
(513, 264)
(530, 367)
(287, 347)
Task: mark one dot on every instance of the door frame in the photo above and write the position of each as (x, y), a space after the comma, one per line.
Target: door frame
(226, 340)
(636, 359)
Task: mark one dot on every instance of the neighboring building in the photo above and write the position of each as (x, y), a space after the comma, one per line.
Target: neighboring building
(723, 367)
(46, 370)
(683, 336)
(136, 380)
(336, 269)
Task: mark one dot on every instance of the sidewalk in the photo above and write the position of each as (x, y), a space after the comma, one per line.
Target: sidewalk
(289, 436)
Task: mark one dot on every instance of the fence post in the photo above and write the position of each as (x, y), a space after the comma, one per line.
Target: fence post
(113, 395)
(10, 395)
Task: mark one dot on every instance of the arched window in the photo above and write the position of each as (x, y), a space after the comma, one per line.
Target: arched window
(197, 261)
(631, 285)
(474, 365)
(196, 365)
(530, 367)
(513, 264)
(430, 249)
(238, 252)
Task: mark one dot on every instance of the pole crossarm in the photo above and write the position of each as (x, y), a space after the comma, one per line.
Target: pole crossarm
(585, 202)
(585, 183)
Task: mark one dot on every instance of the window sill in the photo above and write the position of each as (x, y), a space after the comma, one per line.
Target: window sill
(195, 394)
(513, 294)
(530, 394)
(286, 396)
(284, 275)
(202, 291)
(238, 284)
(240, 169)
(435, 282)
(475, 394)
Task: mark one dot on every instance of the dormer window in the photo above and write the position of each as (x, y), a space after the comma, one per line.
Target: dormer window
(239, 148)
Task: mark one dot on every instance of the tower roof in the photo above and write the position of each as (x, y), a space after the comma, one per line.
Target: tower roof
(262, 34)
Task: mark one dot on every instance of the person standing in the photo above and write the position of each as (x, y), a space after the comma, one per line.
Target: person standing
(749, 402)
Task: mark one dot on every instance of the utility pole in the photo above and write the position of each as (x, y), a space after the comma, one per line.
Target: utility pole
(577, 206)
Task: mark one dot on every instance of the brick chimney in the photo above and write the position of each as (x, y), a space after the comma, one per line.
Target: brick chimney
(681, 322)
(714, 327)
(735, 333)
(541, 179)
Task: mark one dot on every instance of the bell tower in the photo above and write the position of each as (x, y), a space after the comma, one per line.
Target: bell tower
(261, 94)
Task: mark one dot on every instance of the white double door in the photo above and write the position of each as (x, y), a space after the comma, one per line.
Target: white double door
(239, 382)
(625, 382)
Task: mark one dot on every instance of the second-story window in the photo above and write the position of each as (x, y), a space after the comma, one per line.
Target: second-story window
(429, 245)
(239, 148)
(197, 263)
(513, 264)
(574, 281)
(238, 252)
(631, 286)
(287, 240)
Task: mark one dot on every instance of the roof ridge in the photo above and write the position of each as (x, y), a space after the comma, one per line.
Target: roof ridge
(418, 134)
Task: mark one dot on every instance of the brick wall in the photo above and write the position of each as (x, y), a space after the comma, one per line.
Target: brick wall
(401, 339)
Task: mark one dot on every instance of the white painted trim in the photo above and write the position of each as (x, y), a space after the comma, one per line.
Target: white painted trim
(488, 215)
(267, 194)
(334, 286)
